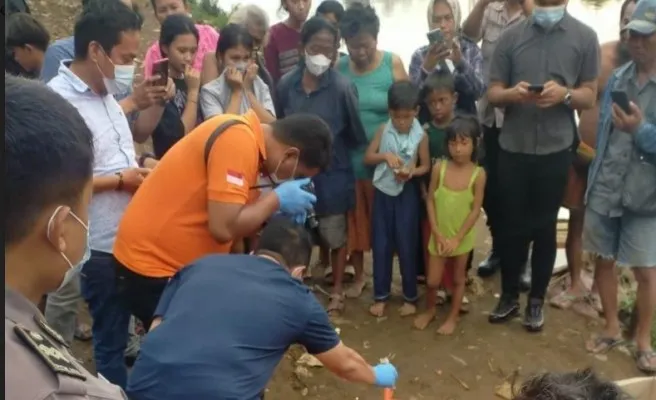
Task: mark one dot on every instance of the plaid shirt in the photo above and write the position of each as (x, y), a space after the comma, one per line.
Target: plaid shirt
(468, 74)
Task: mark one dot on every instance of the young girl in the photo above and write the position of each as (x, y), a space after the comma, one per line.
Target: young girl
(281, 52)
(178, 40)
(454, 201)
(394, 151)
(238, 87)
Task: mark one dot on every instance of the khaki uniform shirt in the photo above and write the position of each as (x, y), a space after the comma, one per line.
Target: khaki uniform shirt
(38, 365)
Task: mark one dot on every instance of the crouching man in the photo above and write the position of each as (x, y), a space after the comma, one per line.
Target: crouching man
(224, 323)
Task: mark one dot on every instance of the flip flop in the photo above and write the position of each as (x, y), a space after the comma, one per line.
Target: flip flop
(564, 300)
(355, 290)
(603, 344)
(336, 304)
(646, 361)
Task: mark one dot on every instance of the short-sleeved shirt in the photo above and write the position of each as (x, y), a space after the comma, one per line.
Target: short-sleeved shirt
(281, 52)
(568, 53)
(215, 97)
(113, 151)
(166, 225)
(336, 102)
(253, 311)
(208, 38)
(28, 376)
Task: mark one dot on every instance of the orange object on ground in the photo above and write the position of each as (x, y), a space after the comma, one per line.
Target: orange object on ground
(388, 394)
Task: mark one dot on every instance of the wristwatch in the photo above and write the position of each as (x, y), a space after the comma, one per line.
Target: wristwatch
(568, 98)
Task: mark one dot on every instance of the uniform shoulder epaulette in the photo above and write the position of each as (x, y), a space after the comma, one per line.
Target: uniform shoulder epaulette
(46, 350)
(50, 331)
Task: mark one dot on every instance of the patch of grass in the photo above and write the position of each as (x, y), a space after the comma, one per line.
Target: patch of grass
(209, 12)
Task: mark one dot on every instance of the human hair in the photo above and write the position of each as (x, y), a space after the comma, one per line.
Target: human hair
(233, 35)
(48, 154)
(310, 134)
(291, 241)
(359, 19)
(331, 7)
(440, 79)
(23, 29)
(315, 25)
(154, 3)
(403, 95)
(104, 21)
(579, 385)
(624, 6)
(248, 13)
(175, 25)
(467, 126)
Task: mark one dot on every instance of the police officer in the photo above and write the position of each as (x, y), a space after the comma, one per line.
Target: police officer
(49, 156)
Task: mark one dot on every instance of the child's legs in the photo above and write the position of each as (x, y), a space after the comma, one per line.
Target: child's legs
(459, 270)
(434, 276)
(447, 277)
(382, 244)
(406, 229)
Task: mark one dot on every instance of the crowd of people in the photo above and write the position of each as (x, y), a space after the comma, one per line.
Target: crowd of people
(268, 141)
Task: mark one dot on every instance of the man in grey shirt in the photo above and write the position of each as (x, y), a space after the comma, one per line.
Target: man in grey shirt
(543, 69)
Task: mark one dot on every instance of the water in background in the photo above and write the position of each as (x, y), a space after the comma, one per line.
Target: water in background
(404, 22)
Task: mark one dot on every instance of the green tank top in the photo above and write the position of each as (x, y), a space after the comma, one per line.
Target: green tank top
(436, 141)
(372, 101)
(452, 208)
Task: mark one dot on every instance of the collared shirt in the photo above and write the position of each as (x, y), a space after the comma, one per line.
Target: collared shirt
(495, 20)
(468, 74)
(336, 102)
(616, 149)
(568, 54)
(113, 152)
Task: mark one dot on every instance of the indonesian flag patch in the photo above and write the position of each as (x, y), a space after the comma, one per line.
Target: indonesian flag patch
(235, 178)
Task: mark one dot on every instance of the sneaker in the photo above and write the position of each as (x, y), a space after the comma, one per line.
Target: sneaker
(534, 315)
(506, 309)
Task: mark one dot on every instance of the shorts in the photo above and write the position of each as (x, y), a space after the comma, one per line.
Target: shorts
(359, 219)
(628, 239)
(577, 181)
(333, 231)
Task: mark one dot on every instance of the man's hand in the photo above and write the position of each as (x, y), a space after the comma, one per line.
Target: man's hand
(146, 94)
(293, 198)
(436, 52)
(521, 94)
(552, 94)
(456, 53)
(132, 178)
(628, 123)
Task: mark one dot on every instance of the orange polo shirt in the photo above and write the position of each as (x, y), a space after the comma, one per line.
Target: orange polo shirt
(165, 226)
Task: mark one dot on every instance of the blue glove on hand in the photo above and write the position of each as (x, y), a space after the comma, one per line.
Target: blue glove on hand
(386, 375)
(293, 198)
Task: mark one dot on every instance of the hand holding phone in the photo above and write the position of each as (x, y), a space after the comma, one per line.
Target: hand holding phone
(622, 100)
(161, 68)
(535, 88)
(435, 36)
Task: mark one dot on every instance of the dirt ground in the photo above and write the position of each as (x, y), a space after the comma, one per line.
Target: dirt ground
(467, 366)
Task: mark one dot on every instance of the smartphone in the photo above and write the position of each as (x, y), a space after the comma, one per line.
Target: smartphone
(161, 68)
(435, 36)
(621, 99)
(535, 88)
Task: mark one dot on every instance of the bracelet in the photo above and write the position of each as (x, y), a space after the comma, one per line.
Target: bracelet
(119, 187)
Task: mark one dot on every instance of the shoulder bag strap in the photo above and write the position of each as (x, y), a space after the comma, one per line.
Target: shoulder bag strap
(215, 135)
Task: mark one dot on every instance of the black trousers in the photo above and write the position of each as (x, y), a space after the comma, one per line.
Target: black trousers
(531, 189)
(139, 293)
(490, 163)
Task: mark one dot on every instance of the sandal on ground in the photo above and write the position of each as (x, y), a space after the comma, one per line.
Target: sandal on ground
(602, 344)
(564, 300)
(349, 273)
(355, 289)
(336, 304)
(442, 297)
(646, 361)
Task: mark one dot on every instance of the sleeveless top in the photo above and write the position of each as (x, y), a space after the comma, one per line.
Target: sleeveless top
(452, 208)
(372, 100)
(405, 146)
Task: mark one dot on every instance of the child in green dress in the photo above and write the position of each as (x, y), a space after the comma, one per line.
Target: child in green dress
(454, 201)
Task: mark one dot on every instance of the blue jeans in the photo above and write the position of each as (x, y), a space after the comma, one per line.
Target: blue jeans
(395, 228)
(110, 317)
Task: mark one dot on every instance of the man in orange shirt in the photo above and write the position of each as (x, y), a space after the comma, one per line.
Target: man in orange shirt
(200, 198)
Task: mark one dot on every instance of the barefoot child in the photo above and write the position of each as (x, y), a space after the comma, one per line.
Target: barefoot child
(454, 200)
(394, 151)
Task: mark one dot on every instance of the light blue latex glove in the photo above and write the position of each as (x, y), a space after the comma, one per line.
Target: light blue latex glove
(293, 199)
(386, 375)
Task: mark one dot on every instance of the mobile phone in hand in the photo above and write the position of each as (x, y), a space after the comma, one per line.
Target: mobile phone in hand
(621, 99)
(536, 88)
(435, 36)
(161, 68)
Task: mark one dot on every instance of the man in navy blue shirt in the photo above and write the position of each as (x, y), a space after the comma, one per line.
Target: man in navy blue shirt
(224, 323)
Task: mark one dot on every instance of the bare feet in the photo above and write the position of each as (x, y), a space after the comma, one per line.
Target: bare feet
(424, 319)
(407, 309)
(355, 290)
(448, 327)
(336, 304)
(377, 309)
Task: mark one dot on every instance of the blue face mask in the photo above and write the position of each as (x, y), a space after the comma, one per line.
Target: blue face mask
(547, 17)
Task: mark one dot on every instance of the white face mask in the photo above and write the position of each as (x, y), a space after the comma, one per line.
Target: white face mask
(73, 270)
(123, 78)
(317, 64)
(241, 66)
